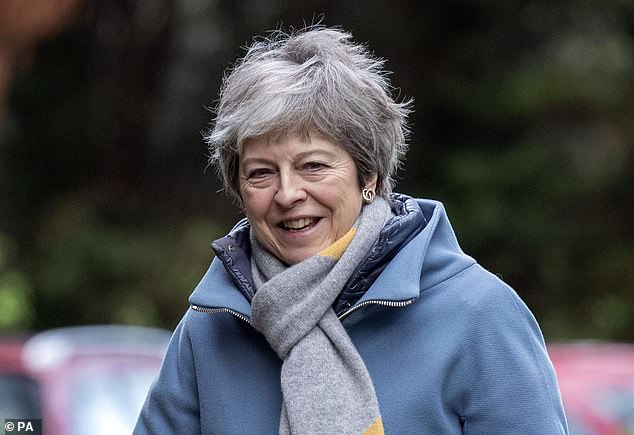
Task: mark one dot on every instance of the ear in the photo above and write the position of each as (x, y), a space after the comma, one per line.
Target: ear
(371, 182)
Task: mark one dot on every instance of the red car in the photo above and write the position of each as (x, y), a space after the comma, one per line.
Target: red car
(82, 380)
(19, 391)
(597, 386)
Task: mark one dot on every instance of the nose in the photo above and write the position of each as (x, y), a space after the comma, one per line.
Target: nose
(290, 191)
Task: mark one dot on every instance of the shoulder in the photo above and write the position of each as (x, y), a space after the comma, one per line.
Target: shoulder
(495, 330)
(473, 288)
(479, 289)
(479, 310)
(490, 295)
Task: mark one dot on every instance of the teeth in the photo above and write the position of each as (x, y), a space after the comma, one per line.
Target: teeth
(298, 223)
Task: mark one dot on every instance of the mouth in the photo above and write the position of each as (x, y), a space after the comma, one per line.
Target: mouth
(299, 224)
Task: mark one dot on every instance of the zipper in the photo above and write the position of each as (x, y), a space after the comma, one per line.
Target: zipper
(342, 316)
(383, 303)
(221, 310)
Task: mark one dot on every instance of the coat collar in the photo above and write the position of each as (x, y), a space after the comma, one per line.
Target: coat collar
(430, 257)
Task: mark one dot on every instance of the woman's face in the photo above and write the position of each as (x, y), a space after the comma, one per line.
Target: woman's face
(300, 195)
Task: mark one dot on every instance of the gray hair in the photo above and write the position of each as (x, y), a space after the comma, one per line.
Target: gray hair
(316, 78)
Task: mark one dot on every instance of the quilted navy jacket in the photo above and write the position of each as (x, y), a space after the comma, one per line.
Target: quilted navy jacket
(450, 348)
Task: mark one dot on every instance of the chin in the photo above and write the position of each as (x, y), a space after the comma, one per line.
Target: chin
(297, 257)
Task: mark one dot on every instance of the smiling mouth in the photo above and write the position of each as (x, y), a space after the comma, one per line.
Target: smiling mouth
(299, 224)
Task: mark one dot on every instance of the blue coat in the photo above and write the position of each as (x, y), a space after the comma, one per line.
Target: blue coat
(450, 348)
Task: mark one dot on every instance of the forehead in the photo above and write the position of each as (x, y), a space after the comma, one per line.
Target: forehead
(277, 136)
(292, 143)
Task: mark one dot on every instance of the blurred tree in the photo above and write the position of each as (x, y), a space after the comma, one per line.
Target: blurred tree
(23, 24)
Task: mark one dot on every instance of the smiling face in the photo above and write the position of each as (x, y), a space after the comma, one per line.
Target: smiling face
(300, 195)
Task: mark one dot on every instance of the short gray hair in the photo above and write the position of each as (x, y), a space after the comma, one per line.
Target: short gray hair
(288, 83)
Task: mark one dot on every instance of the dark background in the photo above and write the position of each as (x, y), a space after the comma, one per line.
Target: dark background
(523, 127)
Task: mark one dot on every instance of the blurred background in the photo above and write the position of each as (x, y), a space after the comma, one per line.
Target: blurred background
(523, 127)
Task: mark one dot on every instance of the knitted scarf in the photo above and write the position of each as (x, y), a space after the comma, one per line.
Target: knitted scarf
(326, 386)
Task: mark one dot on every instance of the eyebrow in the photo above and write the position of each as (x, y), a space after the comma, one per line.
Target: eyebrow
(299, 156)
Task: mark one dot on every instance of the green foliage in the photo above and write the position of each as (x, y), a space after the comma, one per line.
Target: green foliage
(97, 272)
(16, 299)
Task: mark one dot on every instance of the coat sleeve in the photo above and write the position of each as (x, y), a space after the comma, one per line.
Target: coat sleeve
(171, 406)
(512, 386)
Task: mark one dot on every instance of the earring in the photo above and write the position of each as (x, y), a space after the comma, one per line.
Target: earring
(368, 195)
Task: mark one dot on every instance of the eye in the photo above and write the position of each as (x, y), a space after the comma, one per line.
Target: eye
(314, 166)
(259, 173)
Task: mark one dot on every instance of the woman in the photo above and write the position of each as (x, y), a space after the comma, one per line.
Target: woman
(337, 306)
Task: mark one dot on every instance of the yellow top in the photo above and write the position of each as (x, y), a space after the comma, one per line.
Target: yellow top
(376, 428)
(336, 250)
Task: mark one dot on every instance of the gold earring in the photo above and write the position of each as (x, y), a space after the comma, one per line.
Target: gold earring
(368, 195)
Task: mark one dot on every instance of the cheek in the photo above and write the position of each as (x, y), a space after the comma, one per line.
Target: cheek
(353, 211)
(346, 209)
(254, 204)
(353, 199)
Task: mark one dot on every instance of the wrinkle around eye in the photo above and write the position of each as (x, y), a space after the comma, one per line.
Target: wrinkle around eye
(257, 181)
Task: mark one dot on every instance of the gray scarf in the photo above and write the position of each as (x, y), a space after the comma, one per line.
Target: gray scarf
(326, 386)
